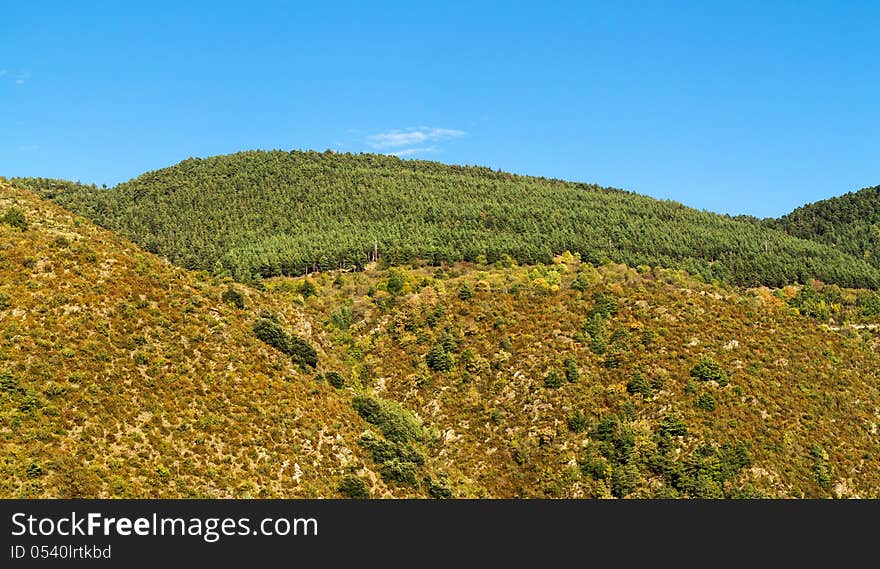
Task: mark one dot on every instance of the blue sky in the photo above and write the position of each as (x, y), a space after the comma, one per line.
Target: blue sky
(737, 107)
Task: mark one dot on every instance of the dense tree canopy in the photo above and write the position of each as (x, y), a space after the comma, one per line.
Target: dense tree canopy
(257, 214)
(850, 222)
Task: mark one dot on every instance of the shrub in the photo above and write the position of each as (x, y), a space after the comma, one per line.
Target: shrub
(233, 297)
(435, 315)
(34, 470)
(708, 369)
(399, 461)
(553, 380)
(577, 423)
(595, 327)
(604, 305)
(8, 383)
(439, 359)
(399, 471)
(302, 352)
(353, 487)
(14, 217)
(335, 379)
(672, 426)
(308, 288)
(438, 489)
(638, 384)
(705, 402)
(395, 422)
(572, 375)
(270, 331)
(5, 302)
(396, 281)
(465, 292)
(342, 317)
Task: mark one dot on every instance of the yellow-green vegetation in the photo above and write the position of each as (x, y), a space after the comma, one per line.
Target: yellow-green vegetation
(570, 380)
(123, 376)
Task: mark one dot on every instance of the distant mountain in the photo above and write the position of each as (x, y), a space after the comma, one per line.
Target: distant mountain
(850, 223)
(262, 214)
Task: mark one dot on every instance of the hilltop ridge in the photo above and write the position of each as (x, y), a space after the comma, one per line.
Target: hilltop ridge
(258, 214)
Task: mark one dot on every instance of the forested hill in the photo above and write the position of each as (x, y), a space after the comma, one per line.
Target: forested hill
(260, 214)
(850, 222)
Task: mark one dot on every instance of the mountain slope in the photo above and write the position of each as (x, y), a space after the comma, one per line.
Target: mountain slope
(850, 223)
(287, 213)
(123, 376)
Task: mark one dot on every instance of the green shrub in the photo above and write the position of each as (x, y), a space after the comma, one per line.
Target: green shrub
(708, 369)
(342, 317)
(353, 487)
(705, 402)
(438, 489)
(308, 288)
(399, 471)
(577, 423)
(673, 427)
(638, 384)
(335, 379)
(553, 380)
(34, 470)
(395, 422)
(396, 281)
(604, 305)
(595, 327)
(572, 375)
(465, 292)
(439, 359)
(5, 301)
(8, 383)
(15, 217)
(302, 352)
(270, 331)
(233, 297)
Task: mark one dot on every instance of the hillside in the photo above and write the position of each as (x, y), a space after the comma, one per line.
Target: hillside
(263, 214)
(124, 376)
(850, 223)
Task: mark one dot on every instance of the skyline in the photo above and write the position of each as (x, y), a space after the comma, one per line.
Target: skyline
(744, 109)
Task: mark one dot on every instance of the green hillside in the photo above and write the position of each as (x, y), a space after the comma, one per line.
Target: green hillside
(263, 214)
(850, 223)
(124, 376)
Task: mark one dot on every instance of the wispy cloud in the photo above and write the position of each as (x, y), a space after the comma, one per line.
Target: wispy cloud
(410, 137)
(28, 147)
(411, 151)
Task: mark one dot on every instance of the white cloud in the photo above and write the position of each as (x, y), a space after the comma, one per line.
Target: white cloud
(411, 151)
(411, 136)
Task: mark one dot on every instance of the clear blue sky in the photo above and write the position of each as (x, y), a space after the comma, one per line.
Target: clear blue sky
(738, 107)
